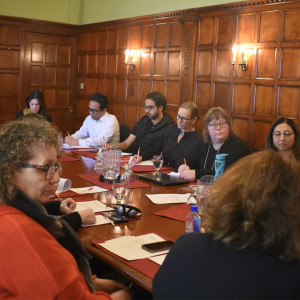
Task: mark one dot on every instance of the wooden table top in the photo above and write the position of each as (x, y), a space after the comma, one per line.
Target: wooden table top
(146, 224)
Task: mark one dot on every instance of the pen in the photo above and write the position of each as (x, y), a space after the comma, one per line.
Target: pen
(89, 189)
(109, 220)
(184, 161)
(64, 204)
(57, 197)
(68, 133)
(138, 153)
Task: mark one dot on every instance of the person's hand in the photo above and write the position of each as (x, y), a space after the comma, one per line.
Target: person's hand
(71, 141)
(115, 289)
(135, 159)
(67, 206)
(87, 216)
(183, 167)
(188, 175)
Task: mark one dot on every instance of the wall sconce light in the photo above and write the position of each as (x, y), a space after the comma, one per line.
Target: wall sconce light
(131, 57)
(239, 59)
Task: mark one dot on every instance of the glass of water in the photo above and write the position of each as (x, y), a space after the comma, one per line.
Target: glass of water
(157, 162)
(119, 189)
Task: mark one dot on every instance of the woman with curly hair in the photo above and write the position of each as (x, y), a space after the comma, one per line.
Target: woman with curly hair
(35, 104)
(284, 138)
(251, 248)
(41, 256)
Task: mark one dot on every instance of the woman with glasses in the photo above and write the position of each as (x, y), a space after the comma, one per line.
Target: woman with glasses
(45, 251)
(284, 138)
(219, 138)
(179, 143)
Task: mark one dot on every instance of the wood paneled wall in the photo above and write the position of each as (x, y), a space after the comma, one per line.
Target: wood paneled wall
(187, 56)
(36, 55)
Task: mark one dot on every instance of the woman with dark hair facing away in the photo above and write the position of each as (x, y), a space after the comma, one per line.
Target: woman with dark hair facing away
(35, 104)
(178, 142)
(45, 251)
(251, 248)
(284, 137)
(219, 138)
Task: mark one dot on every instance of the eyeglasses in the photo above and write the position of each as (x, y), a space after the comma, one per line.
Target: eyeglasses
(94, 111)
(149, 107)
(49, 169)
(183, 119)
(215, 125)
(285, 133)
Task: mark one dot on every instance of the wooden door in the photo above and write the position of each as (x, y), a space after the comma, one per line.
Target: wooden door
(50, 66)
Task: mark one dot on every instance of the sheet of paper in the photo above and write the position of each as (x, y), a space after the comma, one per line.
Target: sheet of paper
(66, 146)
(125, 154)
(130, 247)
(158, 259)
(145, 163)
(100, 220)
(95, 205)
(174, 174)
(168, 198)
(89, 189)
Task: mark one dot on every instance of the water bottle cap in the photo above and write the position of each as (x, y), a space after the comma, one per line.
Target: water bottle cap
(194, 208)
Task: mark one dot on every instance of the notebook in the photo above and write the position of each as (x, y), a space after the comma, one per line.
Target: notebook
(161, 178)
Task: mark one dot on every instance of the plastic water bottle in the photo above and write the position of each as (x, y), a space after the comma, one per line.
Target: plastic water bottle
(193, 220)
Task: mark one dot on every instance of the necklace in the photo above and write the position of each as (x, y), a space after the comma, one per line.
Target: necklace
(207, 156)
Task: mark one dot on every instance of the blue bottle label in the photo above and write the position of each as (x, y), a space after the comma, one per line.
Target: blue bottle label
(196, 225)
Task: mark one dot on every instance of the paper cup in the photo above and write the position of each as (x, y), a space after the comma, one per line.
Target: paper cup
(64, 185)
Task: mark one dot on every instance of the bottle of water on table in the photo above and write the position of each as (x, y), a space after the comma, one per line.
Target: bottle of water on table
(193, 220)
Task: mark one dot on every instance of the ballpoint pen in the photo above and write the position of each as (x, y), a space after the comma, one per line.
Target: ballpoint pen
(108, 219)
(138, 153)
(56, 196)
(68, 133)
(184, 161)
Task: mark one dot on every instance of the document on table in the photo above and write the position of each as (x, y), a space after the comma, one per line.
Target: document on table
(89, 189)
(125, 154)
(168, 198)
(130, 247)
(66, 146)
(100, 220)
(95, 205)
(174, 174)
(145, 163)
(158, 259)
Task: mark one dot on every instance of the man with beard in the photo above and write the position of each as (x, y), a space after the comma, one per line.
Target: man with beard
(150, 127)
(98, 128)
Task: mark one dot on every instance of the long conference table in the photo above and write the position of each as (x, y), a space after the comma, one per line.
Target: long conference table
(147, 223)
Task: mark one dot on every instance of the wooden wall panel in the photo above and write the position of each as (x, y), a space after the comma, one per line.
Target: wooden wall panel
(187, 56)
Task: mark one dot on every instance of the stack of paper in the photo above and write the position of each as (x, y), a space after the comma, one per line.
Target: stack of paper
(95, 205)
(130, 247)
(168, 198)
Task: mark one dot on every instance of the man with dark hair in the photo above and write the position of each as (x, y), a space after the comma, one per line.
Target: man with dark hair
(98, 128)
(150, 127)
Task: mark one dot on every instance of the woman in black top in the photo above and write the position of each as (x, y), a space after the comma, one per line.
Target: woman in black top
(181, 142)
(35, 104)
(219, 138)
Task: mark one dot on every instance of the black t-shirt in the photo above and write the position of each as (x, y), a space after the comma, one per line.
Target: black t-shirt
(148, 134)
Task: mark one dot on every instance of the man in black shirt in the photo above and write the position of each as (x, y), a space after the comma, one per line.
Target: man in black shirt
(150, 127)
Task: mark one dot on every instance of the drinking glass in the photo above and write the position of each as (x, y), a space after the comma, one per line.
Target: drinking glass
(204, 185)
(157, 162)
(119, 189)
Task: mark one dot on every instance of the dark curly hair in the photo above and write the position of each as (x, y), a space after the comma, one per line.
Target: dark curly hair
(256, 204)
(16, 141)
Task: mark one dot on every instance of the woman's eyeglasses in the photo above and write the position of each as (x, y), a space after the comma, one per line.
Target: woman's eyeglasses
(215, 125)
(49, 169)
(183, 119)
(285, 133)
